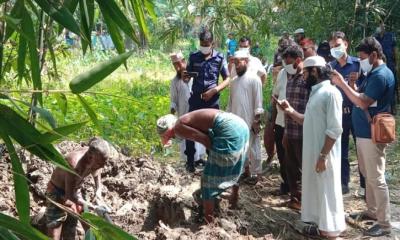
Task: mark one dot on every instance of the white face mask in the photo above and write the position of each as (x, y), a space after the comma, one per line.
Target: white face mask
(205, 50)
(365, 65)
(289, 68)
(338, 52)
(244, 49)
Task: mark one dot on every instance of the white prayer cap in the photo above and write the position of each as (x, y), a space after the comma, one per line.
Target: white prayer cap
(165, 122)
(314, 61)
(242, 54)
(176, 57)
(299, 30)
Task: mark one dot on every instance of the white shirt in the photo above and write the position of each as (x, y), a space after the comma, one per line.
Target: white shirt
(322, 200)
(180, 94)
(245, 98)
(280, 91)
(254, 65)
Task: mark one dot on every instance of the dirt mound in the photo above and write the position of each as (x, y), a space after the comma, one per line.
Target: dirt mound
(155, 201)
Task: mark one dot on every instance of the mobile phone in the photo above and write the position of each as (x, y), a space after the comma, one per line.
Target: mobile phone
(279, 102)
(192, 74)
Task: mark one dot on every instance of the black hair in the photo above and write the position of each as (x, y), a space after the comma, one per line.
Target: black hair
(293, 51)
(206, 35)
(245, 39)
(324, 73)
(338, 35)
(369, 45)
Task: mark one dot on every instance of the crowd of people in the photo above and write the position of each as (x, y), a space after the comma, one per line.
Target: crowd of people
(320, 96)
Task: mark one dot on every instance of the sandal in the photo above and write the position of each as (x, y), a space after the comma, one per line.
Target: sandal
(311, 231)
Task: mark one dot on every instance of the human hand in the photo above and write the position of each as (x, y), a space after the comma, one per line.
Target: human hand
(353, 77)
(256, 127)
(101, 210)
(209, 94)
(337, 78)
(185, 76)
(73, 207)
(321, 164)
(285, 106)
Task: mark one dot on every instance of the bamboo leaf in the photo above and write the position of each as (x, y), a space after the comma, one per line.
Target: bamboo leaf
(60, 132)
(53, 57)
(86, 80)
(20, 184)
(46, 115)
(28, 29)
(150, 9)
(86, 8)
(106, 230)
(60, 14)
(28, 137)
(139, 15)
(5, 234)
(114, 33)
(62, 102)
(16, 13)
(25, 230)
(89, 110)
(119, 18)
(21, 57)
(71, 5)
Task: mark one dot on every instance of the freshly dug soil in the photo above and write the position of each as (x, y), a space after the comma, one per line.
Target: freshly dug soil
(154, 201)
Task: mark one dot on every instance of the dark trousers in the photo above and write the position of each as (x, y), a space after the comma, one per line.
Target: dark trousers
(347, 130)
(293, 157)
(196, 103)
(280, 150)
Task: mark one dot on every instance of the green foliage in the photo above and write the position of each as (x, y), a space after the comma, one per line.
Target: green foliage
(87, 79)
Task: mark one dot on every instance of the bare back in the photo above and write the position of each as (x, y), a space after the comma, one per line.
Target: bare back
(59, 176)
(201, 120)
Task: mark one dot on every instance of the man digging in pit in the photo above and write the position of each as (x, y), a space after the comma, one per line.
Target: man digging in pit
(65, 188)
(226, 137)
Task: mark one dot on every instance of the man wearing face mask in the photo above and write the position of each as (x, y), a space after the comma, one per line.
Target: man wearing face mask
(322, 202)
(254, 65)
(349, 68)
(374, 96)
(297, 94)
(205, 66)
(245, 100)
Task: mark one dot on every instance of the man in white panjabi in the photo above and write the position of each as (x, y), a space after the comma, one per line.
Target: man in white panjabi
(245, 100)
(322, 200)
(180, 94)
(254, 63)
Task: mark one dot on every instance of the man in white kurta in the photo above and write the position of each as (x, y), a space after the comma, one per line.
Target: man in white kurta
(255, 65)
(322, 201)
(245, 100)
(179, 95)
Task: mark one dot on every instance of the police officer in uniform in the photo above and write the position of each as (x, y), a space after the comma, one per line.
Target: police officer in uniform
(205, 66)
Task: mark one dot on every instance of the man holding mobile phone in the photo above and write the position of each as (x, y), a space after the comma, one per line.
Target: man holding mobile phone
(209, 64)
(349, 67)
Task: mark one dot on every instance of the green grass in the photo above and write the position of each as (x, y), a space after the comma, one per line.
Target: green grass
(127, 103)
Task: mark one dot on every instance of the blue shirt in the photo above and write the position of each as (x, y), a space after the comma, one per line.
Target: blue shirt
(208, 74)
(379, 86)
(352, 65)
(232, 44)
(388, 42)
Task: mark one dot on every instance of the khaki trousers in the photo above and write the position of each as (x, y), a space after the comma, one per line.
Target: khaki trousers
(371, 161)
